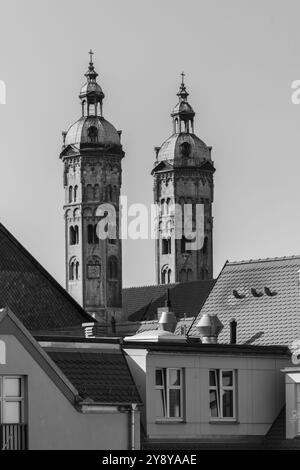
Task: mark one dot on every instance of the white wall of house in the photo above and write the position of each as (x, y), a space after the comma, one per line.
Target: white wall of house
(292, 390)
(53, 422)
(259, 393)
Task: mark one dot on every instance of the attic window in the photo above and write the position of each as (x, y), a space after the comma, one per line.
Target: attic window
(93, 134)
(238, 295)
(269, 292)
(255, 293)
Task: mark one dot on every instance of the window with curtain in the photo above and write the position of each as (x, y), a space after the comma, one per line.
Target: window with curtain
(222, 393)
(169, 393)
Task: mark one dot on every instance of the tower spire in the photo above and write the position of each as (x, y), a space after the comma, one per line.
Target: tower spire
(183, 113)
(91, 93)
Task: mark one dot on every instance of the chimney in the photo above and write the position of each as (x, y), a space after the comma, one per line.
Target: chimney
(209, 328)
(233, 325)
(166, 319)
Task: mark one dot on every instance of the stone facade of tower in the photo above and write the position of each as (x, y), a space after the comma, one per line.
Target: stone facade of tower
(92, 154)
(183, 174)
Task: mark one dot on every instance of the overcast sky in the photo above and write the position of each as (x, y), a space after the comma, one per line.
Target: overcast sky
(240, 58)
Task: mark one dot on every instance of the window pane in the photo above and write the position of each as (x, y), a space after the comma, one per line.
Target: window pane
(228, 404)
(212, 378)
(227, 378)
(160, 403)
(213, 403)
(174, 377)
(159, 377)
(174, 403)
(12, 387)
(12, 412)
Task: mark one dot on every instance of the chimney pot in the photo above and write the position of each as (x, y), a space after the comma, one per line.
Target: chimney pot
(233, 325)
(209, 328)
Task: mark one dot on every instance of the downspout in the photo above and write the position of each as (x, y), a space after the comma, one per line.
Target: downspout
(133, 409)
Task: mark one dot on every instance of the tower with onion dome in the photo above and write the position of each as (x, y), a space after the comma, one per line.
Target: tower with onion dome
(183, 174)
(92, 154)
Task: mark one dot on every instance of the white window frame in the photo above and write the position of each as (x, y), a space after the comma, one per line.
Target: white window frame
(166, 387)
(8, 399)
(219, 388)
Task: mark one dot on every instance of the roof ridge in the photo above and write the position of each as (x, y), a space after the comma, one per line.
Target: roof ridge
(264, 260)
(152, 285)
(169, 285)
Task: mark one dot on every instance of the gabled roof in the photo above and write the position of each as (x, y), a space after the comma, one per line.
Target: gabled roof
(94, 371)
(101, 375)
(162, 166)
(262, 295)
(141, 303)
(31, 292)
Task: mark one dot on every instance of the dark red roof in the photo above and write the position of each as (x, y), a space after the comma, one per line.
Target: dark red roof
(102, 376)
(31, 292)
(141, 303)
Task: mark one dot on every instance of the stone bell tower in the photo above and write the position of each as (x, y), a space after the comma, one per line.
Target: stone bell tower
(183, 175)
(92, 155)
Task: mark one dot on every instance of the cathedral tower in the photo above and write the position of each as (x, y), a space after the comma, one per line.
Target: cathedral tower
(92, 154)
(183, 174)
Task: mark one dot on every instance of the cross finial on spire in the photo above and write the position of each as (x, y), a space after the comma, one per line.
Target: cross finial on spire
(182, 78)
(91, 56)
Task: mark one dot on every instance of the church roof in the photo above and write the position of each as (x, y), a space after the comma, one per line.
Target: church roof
(184, 145)
(141, 303)
(92, 130)
(263, 297)
(31, 292)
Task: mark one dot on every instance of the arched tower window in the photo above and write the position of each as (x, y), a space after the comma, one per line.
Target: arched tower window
(163, 207)
(75, 193)
(90, 234)
(189, 275)
(74, 235)
(166, 275)
(77, 270)
(73, 270)
(71, 194)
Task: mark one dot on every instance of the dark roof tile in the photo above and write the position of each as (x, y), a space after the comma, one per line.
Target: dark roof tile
(141, 303)
(101, 376)
(31, 292)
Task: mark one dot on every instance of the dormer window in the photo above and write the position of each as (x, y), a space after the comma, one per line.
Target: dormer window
(93, 134)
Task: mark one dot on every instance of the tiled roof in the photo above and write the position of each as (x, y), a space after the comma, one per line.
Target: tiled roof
(263, 297)
(31, 292)
(102, 376)
(141, 303)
